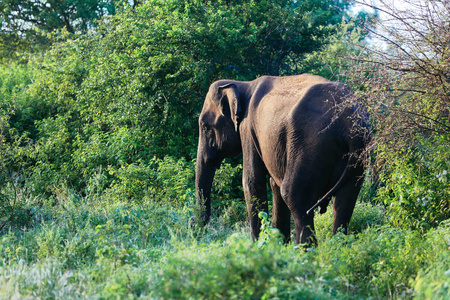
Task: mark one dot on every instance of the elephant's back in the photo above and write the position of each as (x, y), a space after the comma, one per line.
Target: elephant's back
(293, 102)
(318, 117)
(279, 96)
(321, 102)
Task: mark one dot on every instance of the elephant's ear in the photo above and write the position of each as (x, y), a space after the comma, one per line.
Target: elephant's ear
(230, 103)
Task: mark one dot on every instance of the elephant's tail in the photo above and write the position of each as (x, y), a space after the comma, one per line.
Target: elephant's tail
(330, 193)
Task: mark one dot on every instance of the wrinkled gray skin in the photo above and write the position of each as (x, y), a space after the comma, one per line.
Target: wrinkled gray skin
(290, 130)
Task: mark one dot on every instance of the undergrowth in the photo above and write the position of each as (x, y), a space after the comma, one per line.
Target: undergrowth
(80, 248)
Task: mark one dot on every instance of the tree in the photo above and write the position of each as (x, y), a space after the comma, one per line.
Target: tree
(132, 89)
(24, 24)
(162, 57)
(409, 70)
(404, 75)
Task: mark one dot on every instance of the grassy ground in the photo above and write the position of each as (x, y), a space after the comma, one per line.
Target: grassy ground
(92, 249)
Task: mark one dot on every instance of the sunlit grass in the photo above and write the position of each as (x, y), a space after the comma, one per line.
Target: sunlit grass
(85, 250)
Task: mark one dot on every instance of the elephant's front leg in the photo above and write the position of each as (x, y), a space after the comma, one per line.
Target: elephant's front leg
(254, 183)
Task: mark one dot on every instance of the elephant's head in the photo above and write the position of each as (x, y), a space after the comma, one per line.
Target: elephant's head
(218, 138)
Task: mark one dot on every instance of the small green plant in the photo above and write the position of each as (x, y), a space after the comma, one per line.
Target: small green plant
(227, 186)
(268, 234)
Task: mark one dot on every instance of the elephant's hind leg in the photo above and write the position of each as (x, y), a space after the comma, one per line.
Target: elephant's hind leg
(280, 212)
(299, 196)
(345, 200)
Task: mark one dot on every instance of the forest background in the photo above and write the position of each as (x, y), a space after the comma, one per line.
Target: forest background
(98, 131)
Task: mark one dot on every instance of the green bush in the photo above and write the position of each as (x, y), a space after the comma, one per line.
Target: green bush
(364, 216)
(433, 282)
(227, 187)
(416, 186)
(239, 269)
(381, 262)
(20, 109)
(170, 181)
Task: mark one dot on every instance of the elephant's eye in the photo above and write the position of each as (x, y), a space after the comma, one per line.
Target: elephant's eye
(205, 128)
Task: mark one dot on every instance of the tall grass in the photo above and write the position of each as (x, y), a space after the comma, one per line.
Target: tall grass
(80, 248)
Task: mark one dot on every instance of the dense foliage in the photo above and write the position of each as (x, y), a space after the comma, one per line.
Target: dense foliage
(132, 89)
(98, 134)
(26, 26)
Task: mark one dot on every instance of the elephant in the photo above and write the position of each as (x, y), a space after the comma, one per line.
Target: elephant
(297, 131)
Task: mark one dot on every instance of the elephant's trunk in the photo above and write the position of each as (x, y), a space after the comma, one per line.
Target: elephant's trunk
(203, 184)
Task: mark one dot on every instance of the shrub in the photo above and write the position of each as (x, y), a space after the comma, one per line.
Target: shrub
(416, 186)
(239, 269)
(433, 281)
(380, 262)
(364, 216)
(227, 187)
